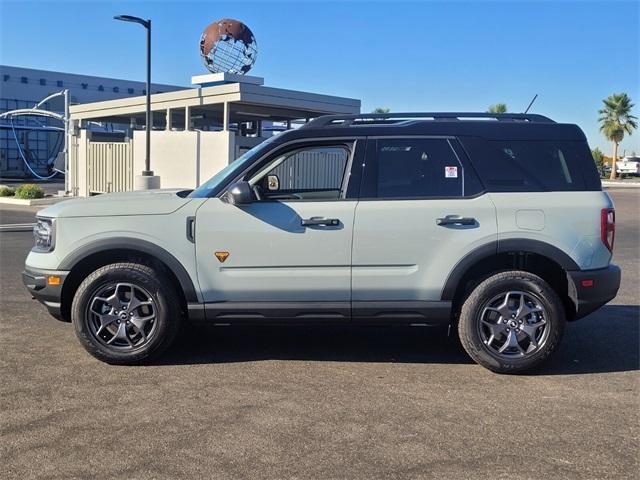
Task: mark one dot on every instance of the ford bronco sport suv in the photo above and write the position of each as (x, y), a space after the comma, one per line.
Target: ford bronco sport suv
(496, 225)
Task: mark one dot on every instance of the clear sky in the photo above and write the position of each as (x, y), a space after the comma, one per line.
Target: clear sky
(408, 56)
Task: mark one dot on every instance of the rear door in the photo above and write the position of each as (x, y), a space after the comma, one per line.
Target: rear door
(421, 210)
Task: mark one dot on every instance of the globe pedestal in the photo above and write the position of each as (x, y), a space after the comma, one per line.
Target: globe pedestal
(211, 79)
(146, 182)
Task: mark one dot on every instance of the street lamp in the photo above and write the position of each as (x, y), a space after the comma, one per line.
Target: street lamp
(148, 180)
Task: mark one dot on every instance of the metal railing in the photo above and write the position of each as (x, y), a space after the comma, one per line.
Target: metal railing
(366, 119)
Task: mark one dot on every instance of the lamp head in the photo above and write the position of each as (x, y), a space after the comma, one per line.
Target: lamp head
(130, 18)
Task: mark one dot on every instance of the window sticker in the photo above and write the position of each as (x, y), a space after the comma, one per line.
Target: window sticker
(451, 172)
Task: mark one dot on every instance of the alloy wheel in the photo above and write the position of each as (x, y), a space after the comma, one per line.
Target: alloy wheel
(514, 324)
(122, 316)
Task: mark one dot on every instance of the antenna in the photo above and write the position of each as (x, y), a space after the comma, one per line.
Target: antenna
(533, 100)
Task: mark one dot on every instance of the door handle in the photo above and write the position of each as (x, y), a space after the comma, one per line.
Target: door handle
(455, 220)
(319, 222)
(191, 229)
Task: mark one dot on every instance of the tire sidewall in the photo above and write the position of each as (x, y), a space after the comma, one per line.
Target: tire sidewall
(166, 319)
(494, 286)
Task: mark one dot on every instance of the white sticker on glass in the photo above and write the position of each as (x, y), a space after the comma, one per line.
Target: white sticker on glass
(451, 172)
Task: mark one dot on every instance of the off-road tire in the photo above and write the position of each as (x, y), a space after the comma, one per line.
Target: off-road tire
(474, 304)
(166, 302)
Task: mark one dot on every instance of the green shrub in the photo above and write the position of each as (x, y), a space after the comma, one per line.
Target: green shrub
(29, 191)
(7, 192)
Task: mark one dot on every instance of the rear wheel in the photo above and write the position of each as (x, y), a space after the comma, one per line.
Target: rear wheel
(124, 313)
(511, 322)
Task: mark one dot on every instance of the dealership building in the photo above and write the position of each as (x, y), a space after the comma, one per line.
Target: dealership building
(195, 131)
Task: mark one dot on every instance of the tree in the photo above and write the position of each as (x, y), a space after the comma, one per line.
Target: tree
(498, 108)
(598, 158)
(616, 120)
(381, 110)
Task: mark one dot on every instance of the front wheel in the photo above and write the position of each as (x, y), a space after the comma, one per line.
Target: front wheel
(511, 322)
(124, 313)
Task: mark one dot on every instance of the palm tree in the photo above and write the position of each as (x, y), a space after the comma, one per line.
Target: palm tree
(498, 108)
(381, 110)
(616, 120)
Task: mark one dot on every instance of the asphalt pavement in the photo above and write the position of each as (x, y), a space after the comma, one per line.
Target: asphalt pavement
(305, 402)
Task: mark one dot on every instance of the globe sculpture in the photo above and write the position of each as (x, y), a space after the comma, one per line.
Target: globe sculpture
(228, 46)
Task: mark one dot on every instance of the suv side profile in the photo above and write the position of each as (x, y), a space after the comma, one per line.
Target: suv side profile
(495, 224)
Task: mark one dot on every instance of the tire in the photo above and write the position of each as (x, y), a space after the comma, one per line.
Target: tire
(126, 313)
(515, 311)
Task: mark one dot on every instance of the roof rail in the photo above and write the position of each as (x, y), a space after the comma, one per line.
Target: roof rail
(398, 118)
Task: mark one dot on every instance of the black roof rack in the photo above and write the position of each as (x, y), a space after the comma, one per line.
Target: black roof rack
(363, 119)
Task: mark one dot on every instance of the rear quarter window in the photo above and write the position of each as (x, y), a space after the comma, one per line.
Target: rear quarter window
(533, 165)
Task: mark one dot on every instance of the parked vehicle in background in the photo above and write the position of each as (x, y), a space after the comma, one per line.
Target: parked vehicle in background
(493, 224)
(629, 165)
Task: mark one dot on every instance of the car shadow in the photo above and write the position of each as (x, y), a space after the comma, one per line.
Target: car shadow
(608, 340)
(605, 341)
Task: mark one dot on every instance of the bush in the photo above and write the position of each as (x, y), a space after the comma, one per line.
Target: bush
(7, 192)
(29, 191)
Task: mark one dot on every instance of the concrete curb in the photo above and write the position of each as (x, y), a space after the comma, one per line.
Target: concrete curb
(35, 201)
(609, 184)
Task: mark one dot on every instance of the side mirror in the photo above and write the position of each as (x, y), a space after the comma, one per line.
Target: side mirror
(273, 183)
(240, 193)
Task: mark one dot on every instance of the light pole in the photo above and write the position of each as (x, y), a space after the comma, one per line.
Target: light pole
(147, 180)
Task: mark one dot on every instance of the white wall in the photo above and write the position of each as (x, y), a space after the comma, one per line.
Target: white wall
(183, 159)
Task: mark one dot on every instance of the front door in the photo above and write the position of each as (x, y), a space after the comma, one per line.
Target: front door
(287, 255)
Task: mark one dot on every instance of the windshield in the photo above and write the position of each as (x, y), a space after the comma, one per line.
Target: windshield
(213, 186)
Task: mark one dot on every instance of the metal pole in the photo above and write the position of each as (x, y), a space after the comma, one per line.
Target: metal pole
(67, 129)
(147, 160)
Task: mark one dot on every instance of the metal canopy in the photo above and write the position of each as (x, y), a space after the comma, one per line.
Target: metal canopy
(244, 102)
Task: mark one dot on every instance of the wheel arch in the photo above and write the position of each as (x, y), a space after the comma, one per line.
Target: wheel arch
(103, 252)
(534, 256)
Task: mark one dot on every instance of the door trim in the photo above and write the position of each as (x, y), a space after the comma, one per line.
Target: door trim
(359, 312)
(275, 312)
(402, 312)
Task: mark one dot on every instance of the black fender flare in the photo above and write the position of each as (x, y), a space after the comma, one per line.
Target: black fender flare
(135, 244)
(487, 250)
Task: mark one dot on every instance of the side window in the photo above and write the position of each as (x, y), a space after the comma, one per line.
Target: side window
(530, 165)
(413, 168)
(307, 173)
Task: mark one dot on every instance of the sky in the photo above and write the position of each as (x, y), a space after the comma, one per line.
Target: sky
(407, 56)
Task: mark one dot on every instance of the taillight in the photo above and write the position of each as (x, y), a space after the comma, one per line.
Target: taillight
(608, 227)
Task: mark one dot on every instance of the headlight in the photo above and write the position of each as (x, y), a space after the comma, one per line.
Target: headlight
(44, 234)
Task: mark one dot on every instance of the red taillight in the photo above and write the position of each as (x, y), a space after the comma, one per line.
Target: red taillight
(608, 227)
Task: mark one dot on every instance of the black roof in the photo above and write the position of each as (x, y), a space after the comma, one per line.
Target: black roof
(505, 126)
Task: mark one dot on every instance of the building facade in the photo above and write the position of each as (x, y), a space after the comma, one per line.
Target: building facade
(39, 139)
(194, 133)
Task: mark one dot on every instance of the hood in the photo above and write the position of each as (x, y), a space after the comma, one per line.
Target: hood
(146, 202)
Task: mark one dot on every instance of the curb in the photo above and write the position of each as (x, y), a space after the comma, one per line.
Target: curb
(609, 184)
(35, 201)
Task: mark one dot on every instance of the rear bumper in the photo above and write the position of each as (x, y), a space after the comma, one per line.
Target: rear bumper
(38, 284)
(591, 289)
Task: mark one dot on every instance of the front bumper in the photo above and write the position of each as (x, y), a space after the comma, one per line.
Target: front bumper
(591, 289)
(39, 284)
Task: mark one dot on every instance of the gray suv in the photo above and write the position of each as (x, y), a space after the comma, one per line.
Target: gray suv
(494, 224)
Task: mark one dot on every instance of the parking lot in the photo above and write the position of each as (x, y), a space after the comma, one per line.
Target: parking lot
(307, 402)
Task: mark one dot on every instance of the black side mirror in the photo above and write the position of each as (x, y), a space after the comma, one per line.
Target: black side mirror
(240, 193)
